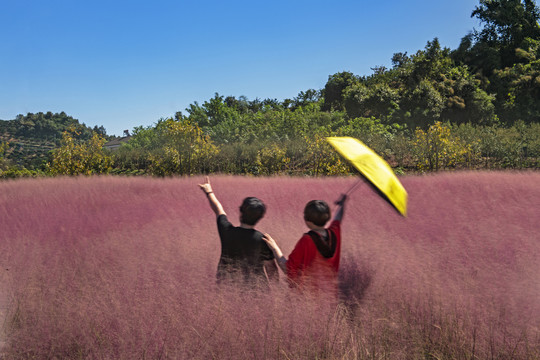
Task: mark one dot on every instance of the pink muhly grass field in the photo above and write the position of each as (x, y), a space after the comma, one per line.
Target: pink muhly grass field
(124, 268)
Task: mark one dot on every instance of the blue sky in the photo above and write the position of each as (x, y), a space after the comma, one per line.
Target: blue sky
(122, 64)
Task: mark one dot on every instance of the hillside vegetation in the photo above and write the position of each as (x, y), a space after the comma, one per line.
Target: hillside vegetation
(471, 107)
(27, 140)
(124, 268)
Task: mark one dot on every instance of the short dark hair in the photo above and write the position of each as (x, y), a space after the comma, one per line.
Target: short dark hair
(252, 210)
(317, 211)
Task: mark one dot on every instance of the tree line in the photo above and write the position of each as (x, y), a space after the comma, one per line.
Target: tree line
(26, 142)
(474, 106)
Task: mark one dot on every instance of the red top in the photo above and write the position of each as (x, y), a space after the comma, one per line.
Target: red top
(307, 268)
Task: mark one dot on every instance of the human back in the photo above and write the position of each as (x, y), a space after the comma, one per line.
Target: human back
(244, 254)
(245, 257)
(313, 264)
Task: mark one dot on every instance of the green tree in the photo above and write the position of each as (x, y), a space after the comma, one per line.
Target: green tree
(50, 126)
(420, 90)
(3, 150)
(371, 131)
(465, 100)
(212, 112)
(379, 100)
(305, 97)
(507, 22)
(333, 92)
(519, 89)
(507, 25)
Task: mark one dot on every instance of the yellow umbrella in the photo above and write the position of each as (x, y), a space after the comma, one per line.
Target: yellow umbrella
(374, 169)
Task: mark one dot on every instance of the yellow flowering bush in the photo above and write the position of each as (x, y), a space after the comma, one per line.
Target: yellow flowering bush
(74, 157)
(437, 148)
(184, 150)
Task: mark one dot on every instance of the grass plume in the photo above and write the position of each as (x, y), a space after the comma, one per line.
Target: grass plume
(124, 268)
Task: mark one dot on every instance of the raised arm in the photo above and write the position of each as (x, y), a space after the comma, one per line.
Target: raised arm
(278, 254)
(341, 207)
(215, 205)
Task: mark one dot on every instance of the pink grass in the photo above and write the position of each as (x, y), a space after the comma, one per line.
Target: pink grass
(124, 268)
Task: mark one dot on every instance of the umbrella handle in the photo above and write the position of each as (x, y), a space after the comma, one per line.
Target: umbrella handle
(360, 180)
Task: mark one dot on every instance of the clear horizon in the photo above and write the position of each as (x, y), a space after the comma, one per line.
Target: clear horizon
(128, 64)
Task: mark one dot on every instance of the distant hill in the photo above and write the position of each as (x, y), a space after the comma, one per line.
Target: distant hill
(32, 136)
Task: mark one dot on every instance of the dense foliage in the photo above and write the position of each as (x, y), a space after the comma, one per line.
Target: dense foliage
(28, 140)
(46, 126)
(475, 106)
(76, 158)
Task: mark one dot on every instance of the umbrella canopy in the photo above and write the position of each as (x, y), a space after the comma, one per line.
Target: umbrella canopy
(374, 169)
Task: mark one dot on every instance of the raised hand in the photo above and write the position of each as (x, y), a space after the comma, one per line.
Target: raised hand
(341, 200)
(206, 187)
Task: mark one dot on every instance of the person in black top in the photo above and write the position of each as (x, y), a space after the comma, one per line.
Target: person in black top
(245, 258)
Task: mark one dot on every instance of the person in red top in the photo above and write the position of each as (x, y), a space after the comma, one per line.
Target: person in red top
(314, 263)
